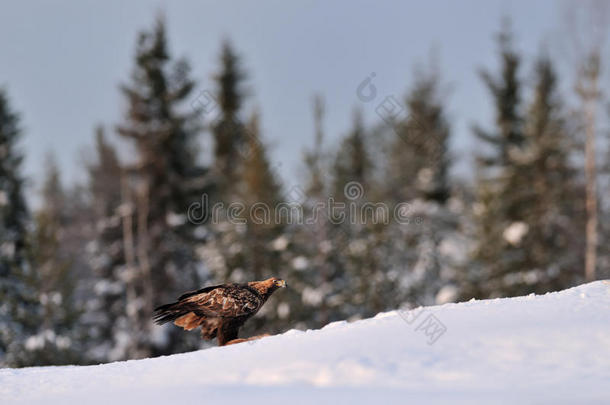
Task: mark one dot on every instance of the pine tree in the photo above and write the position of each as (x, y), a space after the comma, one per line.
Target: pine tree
(427, 134)
(604, 254)
(589, 92)
(357, 270)
(247, 245)
(506, 93)
(418, 173)
(553, 207)
(315, 159)
(228, 130)
(499, 188)
(58, 339)
(104, 177)
(315, 264)
(164, 181)
(260, 193)
(259, 181)
(106, 318)
(18, 303)
(352, 162)
(523, 215)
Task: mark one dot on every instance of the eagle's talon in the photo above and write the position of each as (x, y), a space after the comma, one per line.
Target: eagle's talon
(250, 339)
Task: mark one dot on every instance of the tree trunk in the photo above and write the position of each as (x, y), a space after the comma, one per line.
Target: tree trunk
(144, 261)
(591, 191)
(589, 92)
(126, 212)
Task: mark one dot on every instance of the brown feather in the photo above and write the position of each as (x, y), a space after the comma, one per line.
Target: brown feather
(209, 328)
(189, 321)
(220, 310)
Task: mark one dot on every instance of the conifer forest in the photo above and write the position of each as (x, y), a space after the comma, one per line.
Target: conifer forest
(183, 190)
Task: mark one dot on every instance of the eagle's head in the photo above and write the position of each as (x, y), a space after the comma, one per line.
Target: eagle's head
(267, 287)
(278, 282)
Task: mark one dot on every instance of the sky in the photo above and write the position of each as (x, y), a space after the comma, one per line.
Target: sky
(62, 63)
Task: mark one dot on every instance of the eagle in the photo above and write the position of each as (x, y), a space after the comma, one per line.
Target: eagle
(220, 310)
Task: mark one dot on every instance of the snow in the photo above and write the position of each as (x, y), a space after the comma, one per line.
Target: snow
(553, 348)
(515, 232)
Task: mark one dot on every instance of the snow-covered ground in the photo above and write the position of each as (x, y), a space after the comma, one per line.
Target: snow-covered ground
(551, 349)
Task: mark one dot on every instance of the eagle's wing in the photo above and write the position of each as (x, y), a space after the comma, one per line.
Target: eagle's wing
(201, 290)
(222, 301)
(208, 306)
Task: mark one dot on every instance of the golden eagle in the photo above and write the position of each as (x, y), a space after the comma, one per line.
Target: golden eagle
(220, 310)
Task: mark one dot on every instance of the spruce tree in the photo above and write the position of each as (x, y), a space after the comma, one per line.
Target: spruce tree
(162, 183)
(357, 270)
(316, 264)
(230, 143)
(314, 158)
(604, 259)
(525, 227)
(18, 303)
(106, 318)
(417, 148)
(427, 136)
(506, 93)
(58, 340)
(247, 243)
(259, 181)
(552, 204)
(352, 162)
(418, 174)
(499, 188)
(260, 193)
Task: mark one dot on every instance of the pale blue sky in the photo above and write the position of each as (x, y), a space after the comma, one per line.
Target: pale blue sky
(62, 61)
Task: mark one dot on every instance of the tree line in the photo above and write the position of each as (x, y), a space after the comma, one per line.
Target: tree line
(81, 274)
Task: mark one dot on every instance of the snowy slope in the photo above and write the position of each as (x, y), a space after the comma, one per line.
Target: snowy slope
(553, 348)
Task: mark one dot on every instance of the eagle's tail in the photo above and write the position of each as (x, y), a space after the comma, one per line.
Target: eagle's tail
(182, 314)
(170, 312)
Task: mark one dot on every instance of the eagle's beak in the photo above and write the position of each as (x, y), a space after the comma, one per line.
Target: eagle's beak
(281, 283)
